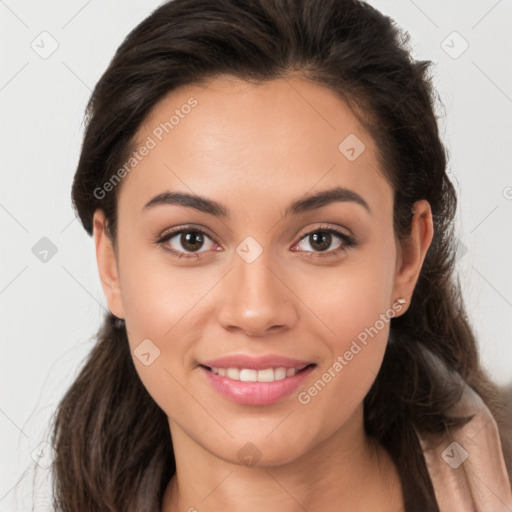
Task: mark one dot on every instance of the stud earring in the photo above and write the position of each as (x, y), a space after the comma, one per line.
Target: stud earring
(401, 301)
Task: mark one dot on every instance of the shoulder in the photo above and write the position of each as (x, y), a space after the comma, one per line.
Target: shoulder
(467, 464)
(504, 421)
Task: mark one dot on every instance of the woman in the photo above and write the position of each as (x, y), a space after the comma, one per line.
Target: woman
(273, 223)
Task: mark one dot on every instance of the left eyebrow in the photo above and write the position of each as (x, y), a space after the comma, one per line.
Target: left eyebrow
(305, 204)
(324, 198)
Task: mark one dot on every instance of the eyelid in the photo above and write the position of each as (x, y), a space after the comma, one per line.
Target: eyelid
(348, 239)
(169, 234)
(189, 227)
(327, 227)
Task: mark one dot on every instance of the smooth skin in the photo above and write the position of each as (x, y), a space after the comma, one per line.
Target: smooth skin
(255, 149)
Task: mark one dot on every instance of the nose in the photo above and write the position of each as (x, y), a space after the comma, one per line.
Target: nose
(256, 299)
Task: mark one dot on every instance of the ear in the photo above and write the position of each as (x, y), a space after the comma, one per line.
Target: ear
(107, 265)
(413, 251)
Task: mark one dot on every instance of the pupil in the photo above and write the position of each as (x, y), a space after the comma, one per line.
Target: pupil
(325, 239)
(188, 240)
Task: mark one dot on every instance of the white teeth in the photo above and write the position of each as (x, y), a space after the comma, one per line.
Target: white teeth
(281, 373)
(250, 375)
(233, 373)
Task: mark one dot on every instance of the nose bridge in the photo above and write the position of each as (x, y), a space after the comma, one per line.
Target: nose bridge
(255, 298)
(256, 281)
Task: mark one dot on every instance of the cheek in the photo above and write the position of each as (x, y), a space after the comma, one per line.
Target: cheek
(163, 313)
(352, 298)
(156, 295)
(157, 310)
(344, 379)
(158, 334)
(356, 313)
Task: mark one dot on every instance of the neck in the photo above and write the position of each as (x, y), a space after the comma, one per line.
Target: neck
(345, 472)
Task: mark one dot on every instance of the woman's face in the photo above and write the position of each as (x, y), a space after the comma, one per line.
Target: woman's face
(265, 278)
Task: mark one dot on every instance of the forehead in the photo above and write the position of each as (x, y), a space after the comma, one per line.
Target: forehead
(251, 143)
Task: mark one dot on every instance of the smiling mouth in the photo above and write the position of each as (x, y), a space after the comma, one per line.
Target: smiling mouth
(252, 375)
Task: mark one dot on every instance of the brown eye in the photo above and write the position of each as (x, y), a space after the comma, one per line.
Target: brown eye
(321, 239)
(185, 240)
(191, 240)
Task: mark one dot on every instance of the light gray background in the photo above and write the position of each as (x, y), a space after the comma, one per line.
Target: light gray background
(50, 311)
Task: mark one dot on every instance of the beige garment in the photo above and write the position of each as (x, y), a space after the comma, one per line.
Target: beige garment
(467, 468)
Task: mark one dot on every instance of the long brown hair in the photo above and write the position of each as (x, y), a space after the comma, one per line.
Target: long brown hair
(113, 442)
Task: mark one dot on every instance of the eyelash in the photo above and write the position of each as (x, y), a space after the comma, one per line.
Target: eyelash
(348, 241)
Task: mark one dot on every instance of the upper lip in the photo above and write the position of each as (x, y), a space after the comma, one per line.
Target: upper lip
(256, 363)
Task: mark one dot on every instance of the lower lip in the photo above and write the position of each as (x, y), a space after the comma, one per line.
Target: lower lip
(256, 393)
